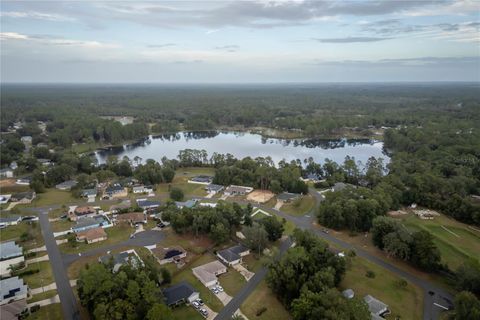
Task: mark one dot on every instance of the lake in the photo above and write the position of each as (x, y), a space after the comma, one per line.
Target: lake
(244, 144)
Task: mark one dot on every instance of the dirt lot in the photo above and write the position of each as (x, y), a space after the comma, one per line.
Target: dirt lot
(260, 196)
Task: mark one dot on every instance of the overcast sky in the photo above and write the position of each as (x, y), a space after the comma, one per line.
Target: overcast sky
(240, 41)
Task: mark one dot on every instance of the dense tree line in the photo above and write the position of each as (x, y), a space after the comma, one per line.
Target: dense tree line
(305, 278)
(127, 294)
(418, 247)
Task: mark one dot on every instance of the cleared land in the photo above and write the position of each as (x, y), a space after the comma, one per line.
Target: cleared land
(263, 297)
(42, 278)
(299, 207)
(260, 196)
(50, 312)
(386, 287)
(232, 281)
(53, 197)
(456, 241)
(32, 234)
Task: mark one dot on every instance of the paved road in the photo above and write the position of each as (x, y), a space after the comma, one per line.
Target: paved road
(65, 292)
(142, 239)
(234, 304)
(432, 293)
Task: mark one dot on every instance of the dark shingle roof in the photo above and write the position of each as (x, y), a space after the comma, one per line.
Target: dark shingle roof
(178, 292)
(229, 255)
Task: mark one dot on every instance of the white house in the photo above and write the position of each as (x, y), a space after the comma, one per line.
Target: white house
(207, 273)
(237, 190)
(12, 289)
(142, 189)
(6, 173)
(11, 255)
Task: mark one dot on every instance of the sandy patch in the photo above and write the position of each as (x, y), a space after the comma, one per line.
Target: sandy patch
(260, 196)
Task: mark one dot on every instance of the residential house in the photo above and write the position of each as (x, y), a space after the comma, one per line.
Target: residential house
(26, 140)
(147, 204)
(23, 197)
(66, 185)
(81, 212)
(92, 235)
(237, 190)
(4, 198)
(287, 197)
(142, 189)
(90, 194)
(180, 293)
(168, 255)
(129, 257)
(13, 165)
(348, 293)
(376, 307)
(6, 173)
(12, 289)
(115, 191)
(90, 223)
(186, 204)
(201, 180)
(132, 218)
(9, 221)
(207, 273)
(45, 162)
(11, 255)
(13, 310)
(233, 255)
(25, 181)
(213, 188)
(311, 177)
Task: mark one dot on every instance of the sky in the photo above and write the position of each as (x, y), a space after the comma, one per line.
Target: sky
(239, 41)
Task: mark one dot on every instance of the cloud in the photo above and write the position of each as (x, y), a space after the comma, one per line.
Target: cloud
(36, 15)
(228, 48)
(12, 36)
(350, 39)
(161, 45)
(187, 61)
(51, 40)
(211, 31)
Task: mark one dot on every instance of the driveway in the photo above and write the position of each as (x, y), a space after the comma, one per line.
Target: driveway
(243, 271)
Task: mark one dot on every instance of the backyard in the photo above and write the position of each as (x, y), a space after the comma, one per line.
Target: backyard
(300, 206)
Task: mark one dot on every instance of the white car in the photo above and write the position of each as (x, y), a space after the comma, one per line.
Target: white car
(196, 305)
(219, 288)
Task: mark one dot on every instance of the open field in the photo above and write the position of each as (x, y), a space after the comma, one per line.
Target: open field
(456, 241)
(261, 297)
(115, 234)
(386, 287)
(252, 263)
(186, 274)
(39, 279)
(299, 207)
(53, 196)
(61, 225)
(34, 239)
(50, 312)
(260, 196)
(189, 242)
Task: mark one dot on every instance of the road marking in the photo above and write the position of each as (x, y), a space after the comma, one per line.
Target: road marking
(439, 305)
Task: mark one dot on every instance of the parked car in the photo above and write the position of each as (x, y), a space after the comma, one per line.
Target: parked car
(215, 290)
(160, 225)
(219, 288)
(199, 301)
(196, 305)
(204, 312)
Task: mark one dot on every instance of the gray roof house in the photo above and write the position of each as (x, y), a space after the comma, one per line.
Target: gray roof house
(233, 255)
(126, 257)
(9, 250)
(180, 293)
(66, 185)
(201, 179)
(9, 221)
(147, 204)
(12, 289)
(214, 188)
(6, 173)
(186, 204)
(375, 306)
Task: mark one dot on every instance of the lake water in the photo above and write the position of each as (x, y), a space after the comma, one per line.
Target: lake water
(242, 144)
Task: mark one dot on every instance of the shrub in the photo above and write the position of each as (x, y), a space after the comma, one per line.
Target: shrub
(176, 194)
(370, 274)
(260, 311)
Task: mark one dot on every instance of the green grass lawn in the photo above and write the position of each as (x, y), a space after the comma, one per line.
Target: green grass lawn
(115, 234)
(15, 188)
(42, 296)
(61, 225)
(232, 281)
(385, 287)
(50, 312)
(39, 279)
(181, 181)
(299, 207)
(185, 312)
(456, 246)
(261, 297)
(14, 233)
(205, 294)
(252, 262)
(53, 196)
